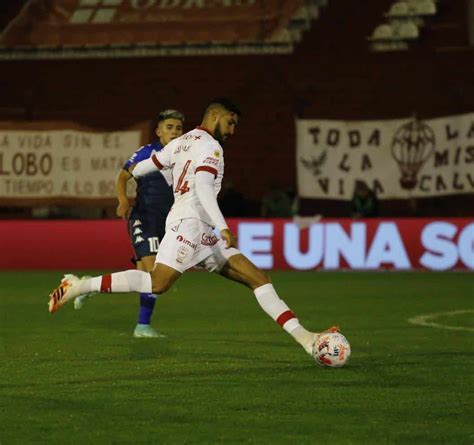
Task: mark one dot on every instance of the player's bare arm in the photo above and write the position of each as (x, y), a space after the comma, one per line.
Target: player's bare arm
(123, 208)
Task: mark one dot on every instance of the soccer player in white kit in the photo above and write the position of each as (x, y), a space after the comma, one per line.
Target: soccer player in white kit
(196, 160)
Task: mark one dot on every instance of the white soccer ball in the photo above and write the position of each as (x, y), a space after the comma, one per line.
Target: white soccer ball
(331, 349)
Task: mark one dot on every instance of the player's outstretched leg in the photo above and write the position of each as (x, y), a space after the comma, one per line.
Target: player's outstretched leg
(119, 282)
(239, 268)
(72, 287)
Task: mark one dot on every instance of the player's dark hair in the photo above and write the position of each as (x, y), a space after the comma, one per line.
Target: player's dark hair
(170, 114)
(224, 102)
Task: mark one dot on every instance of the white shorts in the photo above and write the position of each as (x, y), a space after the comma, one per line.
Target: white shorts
(190, 242)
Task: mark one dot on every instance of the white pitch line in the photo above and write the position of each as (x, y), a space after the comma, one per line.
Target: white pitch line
(423, 320)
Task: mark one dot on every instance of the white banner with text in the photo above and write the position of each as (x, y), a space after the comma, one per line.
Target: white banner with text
(72, 162)
(398, 159)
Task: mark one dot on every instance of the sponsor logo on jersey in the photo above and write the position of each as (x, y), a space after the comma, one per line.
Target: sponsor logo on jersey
(138, 239)
(182, 239)
(208, 240)
(210, 160)
(137, 231)
(181, 254)
(136, 223)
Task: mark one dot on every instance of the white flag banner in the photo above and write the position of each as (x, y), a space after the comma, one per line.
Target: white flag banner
(400, 158)
(65, 163)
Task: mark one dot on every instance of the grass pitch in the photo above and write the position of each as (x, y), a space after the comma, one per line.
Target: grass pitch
(228, 374)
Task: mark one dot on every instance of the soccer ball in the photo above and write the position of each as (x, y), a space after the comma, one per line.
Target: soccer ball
(331, 349)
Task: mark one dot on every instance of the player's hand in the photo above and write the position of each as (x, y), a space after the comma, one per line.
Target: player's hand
(229, 238)
(123, 209)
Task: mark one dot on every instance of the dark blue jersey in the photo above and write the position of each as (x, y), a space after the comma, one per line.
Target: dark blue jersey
(154, 195)
(154, 199)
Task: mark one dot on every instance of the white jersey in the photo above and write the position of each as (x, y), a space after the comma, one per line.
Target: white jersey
(194, 151)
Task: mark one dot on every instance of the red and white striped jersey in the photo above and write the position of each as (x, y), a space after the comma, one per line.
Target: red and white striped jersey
(192, 152)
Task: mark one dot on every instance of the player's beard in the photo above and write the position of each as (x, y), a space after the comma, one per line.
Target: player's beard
(218, 134)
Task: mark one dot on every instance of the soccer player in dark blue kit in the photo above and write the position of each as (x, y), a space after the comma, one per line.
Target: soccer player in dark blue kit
(146, 219)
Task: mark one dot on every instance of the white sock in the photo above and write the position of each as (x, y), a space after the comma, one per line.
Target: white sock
(281, 313)
(126, 281)
(304, 337)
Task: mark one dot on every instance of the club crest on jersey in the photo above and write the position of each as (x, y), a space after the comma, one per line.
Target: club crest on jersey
(217, 154)
(181, 254)
(208, 240)
(182, 239)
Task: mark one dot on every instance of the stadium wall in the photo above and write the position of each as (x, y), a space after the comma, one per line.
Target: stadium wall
(331, 75)
(280, 244)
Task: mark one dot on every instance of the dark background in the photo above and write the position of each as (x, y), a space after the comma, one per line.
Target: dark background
(332, 74)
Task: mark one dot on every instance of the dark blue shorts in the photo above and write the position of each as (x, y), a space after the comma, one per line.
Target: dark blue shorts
(146, 232)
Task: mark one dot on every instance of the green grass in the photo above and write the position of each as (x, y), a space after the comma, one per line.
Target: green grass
(228, 374)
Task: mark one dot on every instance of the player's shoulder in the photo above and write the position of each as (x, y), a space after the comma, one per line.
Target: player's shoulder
(142, 153)
(148, 149)
(205, 141)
